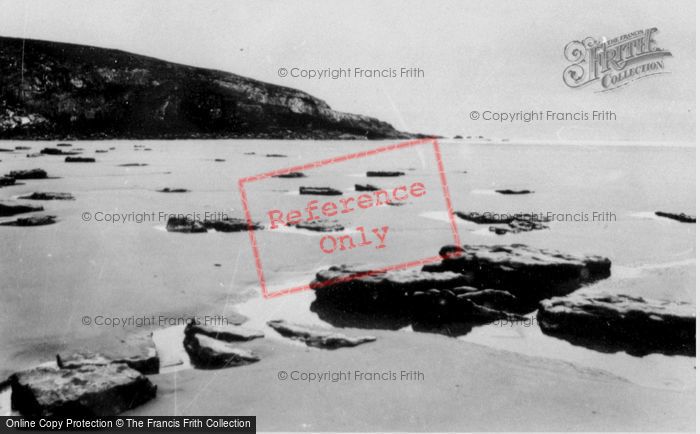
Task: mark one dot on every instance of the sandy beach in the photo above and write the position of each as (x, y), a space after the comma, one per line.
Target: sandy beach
(465, 385)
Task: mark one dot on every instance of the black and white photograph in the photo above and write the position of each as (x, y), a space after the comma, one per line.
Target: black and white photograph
(348, 216)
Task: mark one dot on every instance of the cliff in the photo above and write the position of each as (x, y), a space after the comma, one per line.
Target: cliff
(54, 91)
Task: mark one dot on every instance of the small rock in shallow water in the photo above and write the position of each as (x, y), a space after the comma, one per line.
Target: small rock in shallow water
(509, 191)
(291, 175)
(383, 174)
(321, 191)
(7, 210)
(91, 390)
(366, 187)
(79, 160)
(682, 217)
(320, 226)
(6, 181)
(48, 196)
(32, 221)
(317, 338)
(184, 225)
(28, 174)
(209, 353)
(173, 190)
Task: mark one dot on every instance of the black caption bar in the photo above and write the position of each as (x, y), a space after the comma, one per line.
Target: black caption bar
(236, 424)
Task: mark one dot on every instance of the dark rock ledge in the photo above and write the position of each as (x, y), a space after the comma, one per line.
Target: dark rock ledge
(472, 285)
(617, 322)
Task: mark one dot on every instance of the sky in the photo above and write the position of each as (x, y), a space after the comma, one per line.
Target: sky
(487, 55)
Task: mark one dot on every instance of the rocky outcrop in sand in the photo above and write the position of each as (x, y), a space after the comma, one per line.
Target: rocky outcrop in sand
(615, 322)
(48, 196)
(31, 221)
(320, 191)
(209, 353)
(9, 209)
(28, 174)
(472, 284)
(318, 338)
(89, 390)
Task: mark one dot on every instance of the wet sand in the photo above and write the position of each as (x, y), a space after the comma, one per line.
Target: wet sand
(465, 387)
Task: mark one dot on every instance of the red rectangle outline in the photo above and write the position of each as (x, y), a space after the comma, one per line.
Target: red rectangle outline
(321, 163)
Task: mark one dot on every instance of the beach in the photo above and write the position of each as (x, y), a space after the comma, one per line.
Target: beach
(109, 258)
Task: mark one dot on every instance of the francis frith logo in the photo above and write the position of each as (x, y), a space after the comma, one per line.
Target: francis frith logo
(612, 63)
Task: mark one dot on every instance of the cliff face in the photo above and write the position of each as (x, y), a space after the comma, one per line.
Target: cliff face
(55, 91)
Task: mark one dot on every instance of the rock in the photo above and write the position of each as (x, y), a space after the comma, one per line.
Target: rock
(79, 160)
(100, 151)
(137, 351)
(516, 226)
(28, 174)
(22, 148)
(683, 218)
(6, 150)
(321, 191)
(614, 322)
(6, 181)
(366, 187)
(446, 305)
(7, 210)
(64, 145)
(173, 190)
(32, 221)
(249, 153)
(367, 291)
(526, 272)
(230, 225)
(458, 137)
(508, 191)
(499, 231)
(320, 226)
(484, 218)
(55, 151)
(184, 225)
(517, 223)
(34, 155)
(219, 160)
(133, 165)
(291, 175)
(272, 155)
(224, 332)
(210, 353)
(317, 338)
(48, 196)
(91, 390)
(382, 173)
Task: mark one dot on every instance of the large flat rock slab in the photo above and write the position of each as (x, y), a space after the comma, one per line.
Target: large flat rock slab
(527, 272)
(90, 390)
(618, 322)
